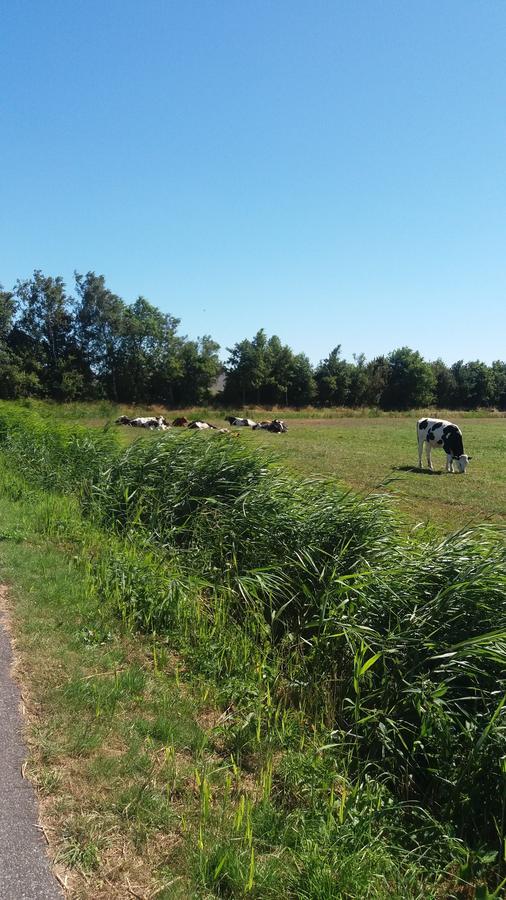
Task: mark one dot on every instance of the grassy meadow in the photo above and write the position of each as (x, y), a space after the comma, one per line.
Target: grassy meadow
(364, 449)
(381, 453)
(246, 674)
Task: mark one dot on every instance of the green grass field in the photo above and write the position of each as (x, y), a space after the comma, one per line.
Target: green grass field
(370, 454)
(367, 452)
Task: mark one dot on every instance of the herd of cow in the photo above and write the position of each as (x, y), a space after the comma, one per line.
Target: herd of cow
(277, 426)
(432, 433)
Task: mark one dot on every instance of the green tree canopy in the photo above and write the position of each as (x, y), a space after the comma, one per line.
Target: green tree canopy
(44, 329)
(410, 381)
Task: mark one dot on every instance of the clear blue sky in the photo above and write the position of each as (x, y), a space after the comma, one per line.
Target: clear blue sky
(334, 172)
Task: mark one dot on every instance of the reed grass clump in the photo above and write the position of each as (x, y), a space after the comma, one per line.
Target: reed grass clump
(232, 511)
(52, 455)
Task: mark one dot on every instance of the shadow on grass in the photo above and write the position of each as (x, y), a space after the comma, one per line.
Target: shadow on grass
(416, 471)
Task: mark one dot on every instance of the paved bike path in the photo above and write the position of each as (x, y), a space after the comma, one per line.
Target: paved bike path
(25, 872)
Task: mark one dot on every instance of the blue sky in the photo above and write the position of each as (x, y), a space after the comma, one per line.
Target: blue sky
(331, 171)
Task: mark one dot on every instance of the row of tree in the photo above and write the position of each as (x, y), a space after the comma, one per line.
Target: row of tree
(92, 344)
(264, 371)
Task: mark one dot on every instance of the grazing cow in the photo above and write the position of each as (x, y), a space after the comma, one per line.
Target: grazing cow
(438, 433)
(181, 422)
(247, 423)
(201, 425)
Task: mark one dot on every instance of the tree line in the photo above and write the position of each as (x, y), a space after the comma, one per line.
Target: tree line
(91, 344)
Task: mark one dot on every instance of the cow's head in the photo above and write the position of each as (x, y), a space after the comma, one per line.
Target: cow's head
(462, 462)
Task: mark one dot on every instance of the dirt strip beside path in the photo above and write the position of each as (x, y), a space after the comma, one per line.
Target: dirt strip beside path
(25, 872)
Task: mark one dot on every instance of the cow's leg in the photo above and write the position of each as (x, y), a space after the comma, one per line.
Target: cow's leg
(429, 457)
(420, 449)
(449, 463)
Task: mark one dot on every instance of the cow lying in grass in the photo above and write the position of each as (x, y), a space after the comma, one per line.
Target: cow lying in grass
(144, 422)
(439, 433)
(183, 422)
(277, 426)
(238, 423)
(149, 422)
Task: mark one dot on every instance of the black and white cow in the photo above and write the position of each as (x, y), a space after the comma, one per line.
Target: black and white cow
(238, 423)
(149, 422)
(144, 422)
(276, 425)
(438, 433)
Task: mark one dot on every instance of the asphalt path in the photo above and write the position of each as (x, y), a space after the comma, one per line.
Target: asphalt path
(25, 873)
